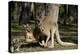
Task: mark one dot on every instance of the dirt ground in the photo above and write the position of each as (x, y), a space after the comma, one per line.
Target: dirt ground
(35, 47)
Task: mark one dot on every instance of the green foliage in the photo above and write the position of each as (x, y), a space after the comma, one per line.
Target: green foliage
(16, 28)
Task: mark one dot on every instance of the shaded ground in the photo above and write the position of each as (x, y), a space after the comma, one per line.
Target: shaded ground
(36, 47)
(33, 47)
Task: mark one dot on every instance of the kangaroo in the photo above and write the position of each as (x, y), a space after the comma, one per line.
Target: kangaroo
(29, 37)
(28, 34)
(48, 25)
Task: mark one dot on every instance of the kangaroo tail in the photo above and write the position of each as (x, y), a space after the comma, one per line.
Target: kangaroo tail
(61, 42)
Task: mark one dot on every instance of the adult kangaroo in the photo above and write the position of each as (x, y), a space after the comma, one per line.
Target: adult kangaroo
(49, 26)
